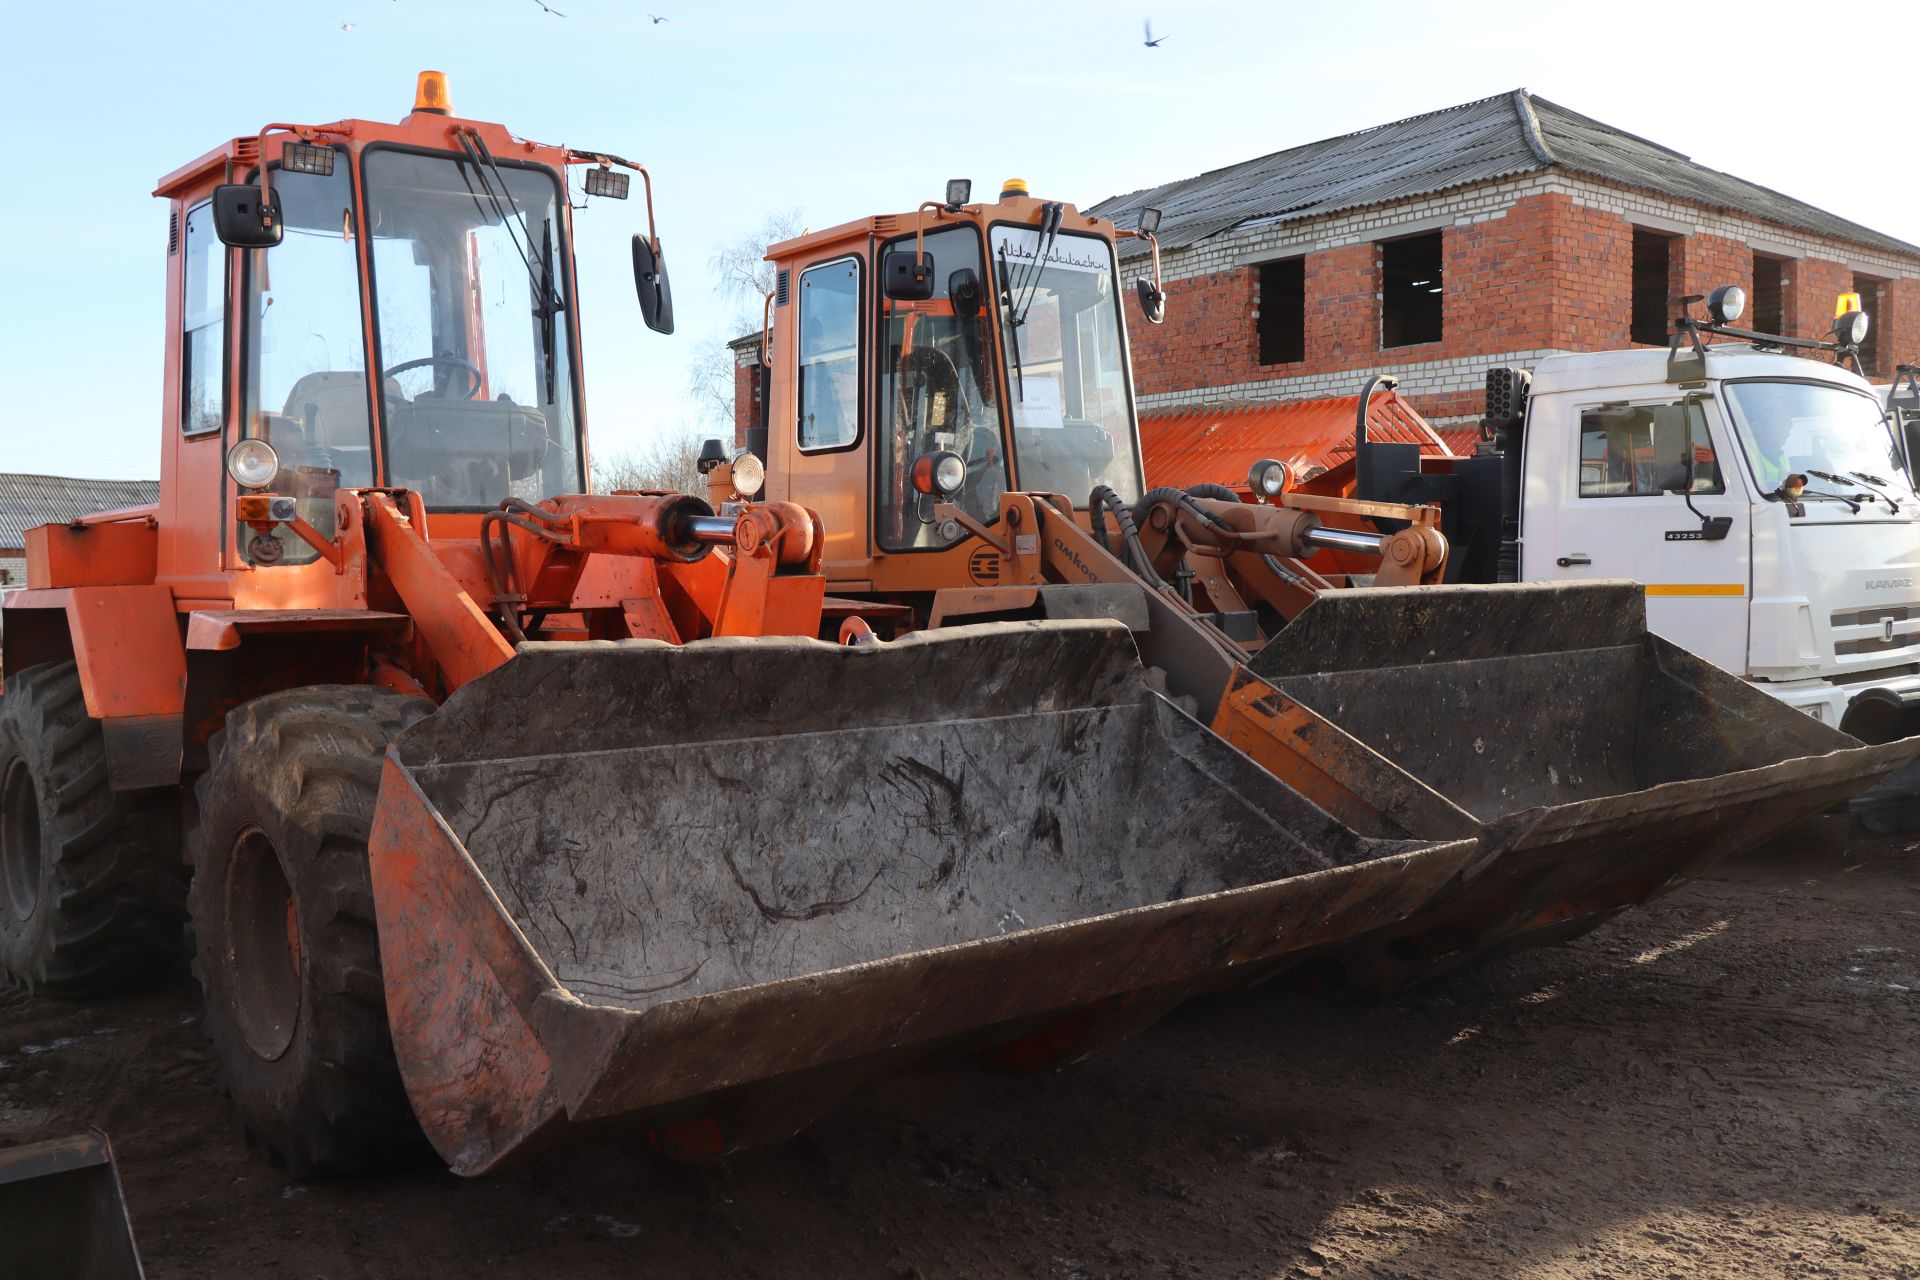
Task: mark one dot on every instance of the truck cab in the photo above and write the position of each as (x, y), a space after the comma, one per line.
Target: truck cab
(1766, 505)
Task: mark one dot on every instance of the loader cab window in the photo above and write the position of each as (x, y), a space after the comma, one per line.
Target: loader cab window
(203, 327)
(937, 393)
(1066, 377)
(474, 327)
(305, 386)
(828, 366)
(1640, 450)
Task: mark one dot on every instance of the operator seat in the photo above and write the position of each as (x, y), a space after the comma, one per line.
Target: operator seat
(330, 408)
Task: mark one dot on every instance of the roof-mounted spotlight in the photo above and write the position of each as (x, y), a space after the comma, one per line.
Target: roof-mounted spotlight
(959, 191)
(1727, 303)
(1149, 221)
(602, 181)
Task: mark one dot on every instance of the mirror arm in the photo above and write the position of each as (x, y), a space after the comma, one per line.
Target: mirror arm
(766, 332)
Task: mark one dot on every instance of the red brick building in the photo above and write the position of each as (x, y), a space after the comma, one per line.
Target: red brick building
(1495, 232)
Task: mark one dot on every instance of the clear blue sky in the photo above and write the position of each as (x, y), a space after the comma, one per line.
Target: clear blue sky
(839, 111)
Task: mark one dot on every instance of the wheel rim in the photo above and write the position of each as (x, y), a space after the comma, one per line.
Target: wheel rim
(20, 839)
(263, 945)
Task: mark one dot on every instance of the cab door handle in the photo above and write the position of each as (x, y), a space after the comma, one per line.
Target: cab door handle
(1567, 562)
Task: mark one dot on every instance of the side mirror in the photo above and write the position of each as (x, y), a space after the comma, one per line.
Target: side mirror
(650, 281)
(963, 287)
(243, 220)
(1153, 301)
(908, 277)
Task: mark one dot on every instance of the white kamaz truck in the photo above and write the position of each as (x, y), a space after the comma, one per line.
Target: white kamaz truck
(1766, 500)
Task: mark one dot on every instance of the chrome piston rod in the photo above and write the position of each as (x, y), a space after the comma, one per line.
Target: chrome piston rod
(714, 529)
(1366, 544)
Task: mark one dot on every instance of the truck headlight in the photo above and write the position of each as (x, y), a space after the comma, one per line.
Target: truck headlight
(253, 464)
(942, 473)
(749, 474)
(1267, 478)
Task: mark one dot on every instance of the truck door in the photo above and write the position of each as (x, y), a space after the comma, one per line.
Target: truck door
(1600, 503)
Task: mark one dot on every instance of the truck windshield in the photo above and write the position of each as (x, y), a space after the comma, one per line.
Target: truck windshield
(473, 327)
(1067, 382)
(1820, 431)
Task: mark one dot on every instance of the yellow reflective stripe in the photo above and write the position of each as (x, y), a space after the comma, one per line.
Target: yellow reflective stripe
(1696, 588)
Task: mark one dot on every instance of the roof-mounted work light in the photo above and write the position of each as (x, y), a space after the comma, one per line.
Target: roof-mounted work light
(307, 157)
(1727, 303)
(959, 191)
(605, 182)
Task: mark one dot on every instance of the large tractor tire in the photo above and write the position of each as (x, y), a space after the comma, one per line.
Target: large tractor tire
(92, 888)
(287, 952)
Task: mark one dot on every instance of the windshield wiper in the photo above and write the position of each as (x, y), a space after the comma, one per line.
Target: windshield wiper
(1013, 328)
(1853, 504)
(1837, 479)
(546, 296)
(1871, 482)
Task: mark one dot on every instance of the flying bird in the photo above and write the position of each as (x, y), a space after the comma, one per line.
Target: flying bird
(549, 8)
(656, 20)
(1151, 42)
(346, 26)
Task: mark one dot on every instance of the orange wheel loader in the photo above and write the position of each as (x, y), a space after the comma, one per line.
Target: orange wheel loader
(498, 807)
(938, 380)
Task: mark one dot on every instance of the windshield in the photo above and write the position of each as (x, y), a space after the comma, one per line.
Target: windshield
(1067, 382)
(306, 379)
(1837, 438)
(936, 395)
(473, 329)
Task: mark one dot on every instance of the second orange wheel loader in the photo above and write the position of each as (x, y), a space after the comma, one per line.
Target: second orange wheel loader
(936, 383)
(498, 807)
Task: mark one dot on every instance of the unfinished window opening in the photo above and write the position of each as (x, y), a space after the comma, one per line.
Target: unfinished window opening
(1869, 290)
(1410, 290)
(1283, 311)
(1652, 261)
(1769, 294)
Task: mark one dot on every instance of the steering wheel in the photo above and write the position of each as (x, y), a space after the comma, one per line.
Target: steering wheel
(474, 376)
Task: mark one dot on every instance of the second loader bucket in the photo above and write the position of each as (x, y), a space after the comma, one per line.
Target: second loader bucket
(711, 888)
(62, 1213)
(1605, 763)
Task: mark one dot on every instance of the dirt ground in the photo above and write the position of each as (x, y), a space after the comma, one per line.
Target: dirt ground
(1724, 1084)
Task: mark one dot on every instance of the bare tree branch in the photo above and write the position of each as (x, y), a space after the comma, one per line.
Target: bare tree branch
(668, 462)
(741, 270)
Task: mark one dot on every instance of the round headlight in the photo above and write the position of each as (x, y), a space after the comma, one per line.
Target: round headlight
(253, 464)
(1851, 328)
(942, 473)
(949, 473)
(749, 474)
(1727, 303)
(1267, 478)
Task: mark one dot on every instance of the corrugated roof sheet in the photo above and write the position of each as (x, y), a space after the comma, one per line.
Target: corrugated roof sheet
(1475, 142)
(29, 500)
(1221, 444)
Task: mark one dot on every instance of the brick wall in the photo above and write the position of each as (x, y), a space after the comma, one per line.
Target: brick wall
(745, 413)
(1531, 266)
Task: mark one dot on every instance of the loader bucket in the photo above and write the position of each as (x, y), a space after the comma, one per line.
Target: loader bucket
(62, 1214)
(1605, 763)
(709, 889)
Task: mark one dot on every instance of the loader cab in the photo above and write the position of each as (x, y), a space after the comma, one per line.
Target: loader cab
(374, 305)
(922, 365)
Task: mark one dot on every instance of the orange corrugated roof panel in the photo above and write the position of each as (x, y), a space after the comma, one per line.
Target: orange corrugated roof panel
(1221, 444)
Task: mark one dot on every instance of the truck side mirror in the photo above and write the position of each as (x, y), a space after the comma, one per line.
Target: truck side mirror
(243, 219)
(650, 281)
(908, 277)
(1153, 301)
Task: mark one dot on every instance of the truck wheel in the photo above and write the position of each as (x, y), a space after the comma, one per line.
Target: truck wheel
(287, 952)
(92, 889)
